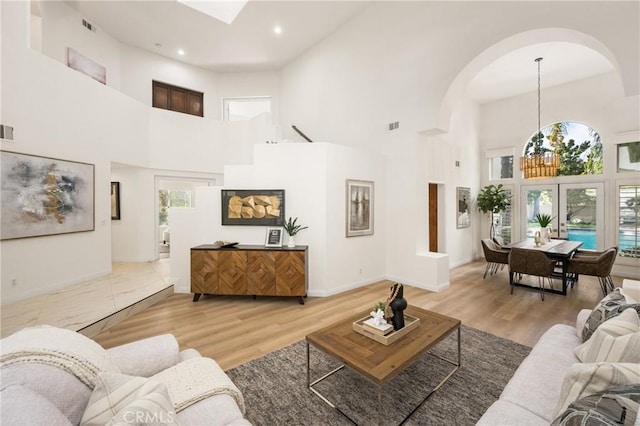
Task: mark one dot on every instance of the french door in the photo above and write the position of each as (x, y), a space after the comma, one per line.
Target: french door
(577, 211)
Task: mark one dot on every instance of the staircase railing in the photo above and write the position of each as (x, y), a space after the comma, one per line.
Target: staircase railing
(300, 133)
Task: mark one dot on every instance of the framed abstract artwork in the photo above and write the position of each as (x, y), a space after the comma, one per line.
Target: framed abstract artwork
(463, 217)
(45, 196)
(85, 65)
(115, 200)
(359, 203)
(253, 207)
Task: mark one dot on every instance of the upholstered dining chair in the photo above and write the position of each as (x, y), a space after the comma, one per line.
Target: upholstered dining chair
(597, 264)
(530, 262)
(495, 256)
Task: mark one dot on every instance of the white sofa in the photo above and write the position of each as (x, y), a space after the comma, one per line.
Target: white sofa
(54, 386)
(531, 396)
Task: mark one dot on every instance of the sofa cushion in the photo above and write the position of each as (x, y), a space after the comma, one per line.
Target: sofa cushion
(616, 340)
(615, 406)
(504, 413)
(610, 306)
(122, 399)
(146, 357)
(22, 406)
(537, 382)
(587, 379)
(47, 381)
(219, 410)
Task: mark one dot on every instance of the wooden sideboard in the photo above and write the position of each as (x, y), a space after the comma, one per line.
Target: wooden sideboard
(249, 270)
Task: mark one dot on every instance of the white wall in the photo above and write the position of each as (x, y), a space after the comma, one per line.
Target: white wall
(313, 177)
(62, 28)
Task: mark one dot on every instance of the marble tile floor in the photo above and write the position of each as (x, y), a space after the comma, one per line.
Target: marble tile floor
(93, 306)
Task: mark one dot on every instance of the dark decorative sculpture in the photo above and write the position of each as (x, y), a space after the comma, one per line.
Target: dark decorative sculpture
(397, 304)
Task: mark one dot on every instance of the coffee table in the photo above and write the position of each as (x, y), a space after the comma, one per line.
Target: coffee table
(379, 363)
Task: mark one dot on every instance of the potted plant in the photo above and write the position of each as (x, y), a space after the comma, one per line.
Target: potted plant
(544, 220)
(493, 199)
(292, 228)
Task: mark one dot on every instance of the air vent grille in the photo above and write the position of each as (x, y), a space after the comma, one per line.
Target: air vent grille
(88, 25)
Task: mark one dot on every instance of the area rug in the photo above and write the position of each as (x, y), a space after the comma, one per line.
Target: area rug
(275, 392)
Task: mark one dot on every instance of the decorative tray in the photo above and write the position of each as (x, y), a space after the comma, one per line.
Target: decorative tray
(410, 323)
(222, 243)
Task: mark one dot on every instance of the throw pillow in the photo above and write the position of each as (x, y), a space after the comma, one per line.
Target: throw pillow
(616, 340)
(587, 379)
(612, 305)
(121, 399)
(612, 407)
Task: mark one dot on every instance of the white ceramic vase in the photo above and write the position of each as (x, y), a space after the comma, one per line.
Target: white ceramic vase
(543, 235)
(292, 241)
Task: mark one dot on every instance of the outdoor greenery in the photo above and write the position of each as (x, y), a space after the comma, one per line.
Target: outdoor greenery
(576, 158)
(493, 199)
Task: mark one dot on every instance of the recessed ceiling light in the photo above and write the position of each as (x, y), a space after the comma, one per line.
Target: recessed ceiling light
(277, 29)
(180, 52)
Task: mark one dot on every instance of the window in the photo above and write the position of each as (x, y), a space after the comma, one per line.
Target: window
(629, 157)
(502, 221)
(173, 198)
(238, 109)
(628, 231)
(500, 163)
(179, 99)
(579, 147)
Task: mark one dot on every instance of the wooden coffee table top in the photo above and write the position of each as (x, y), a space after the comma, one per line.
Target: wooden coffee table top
(374, 360)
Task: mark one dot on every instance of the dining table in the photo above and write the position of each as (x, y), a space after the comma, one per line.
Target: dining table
(557, 249)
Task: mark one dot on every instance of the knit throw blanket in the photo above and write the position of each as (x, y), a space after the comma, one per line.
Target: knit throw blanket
(196, 379)
(57, 347)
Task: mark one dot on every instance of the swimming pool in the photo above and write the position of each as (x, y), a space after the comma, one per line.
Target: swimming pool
(627, 239)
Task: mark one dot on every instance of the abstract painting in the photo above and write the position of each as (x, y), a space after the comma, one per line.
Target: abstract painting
(45, 196)
(86, 66)
(260, 207)
(359, 208)
(115, 200)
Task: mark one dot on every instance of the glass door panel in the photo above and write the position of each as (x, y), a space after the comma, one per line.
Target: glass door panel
(538, 199)
(582, 210)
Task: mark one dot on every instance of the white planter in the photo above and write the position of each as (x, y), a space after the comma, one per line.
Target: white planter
(292, 241)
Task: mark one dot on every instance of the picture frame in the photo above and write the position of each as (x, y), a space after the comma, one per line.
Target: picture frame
(274, 237)
(115, 200)
(359, 207)
(463, 214)
(253, 207)
(45, 196)
(86, 65)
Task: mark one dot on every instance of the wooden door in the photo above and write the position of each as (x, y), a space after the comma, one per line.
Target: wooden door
(261, 273)
(204, 271)
(232, 276)
(290, 273)
(433, 217)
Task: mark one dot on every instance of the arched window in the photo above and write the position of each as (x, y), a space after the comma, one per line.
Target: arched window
(579, 147)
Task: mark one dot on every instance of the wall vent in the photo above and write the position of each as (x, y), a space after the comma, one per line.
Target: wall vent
(88, 25)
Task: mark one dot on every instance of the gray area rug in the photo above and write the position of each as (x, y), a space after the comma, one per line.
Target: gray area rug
(275, 392)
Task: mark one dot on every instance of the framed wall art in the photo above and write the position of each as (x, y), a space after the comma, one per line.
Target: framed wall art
(253, 207)
(359, 203)
(115, 200)
(85, 65)
(463, 217)
(45, 196)
(274, 237)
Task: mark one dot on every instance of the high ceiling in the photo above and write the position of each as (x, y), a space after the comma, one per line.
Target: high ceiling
(249, 43)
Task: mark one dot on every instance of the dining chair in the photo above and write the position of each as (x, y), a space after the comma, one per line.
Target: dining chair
(495, 256)
(597, 264)
(530, 262)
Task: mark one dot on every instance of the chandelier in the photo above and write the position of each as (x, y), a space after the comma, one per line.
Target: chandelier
(541, 164)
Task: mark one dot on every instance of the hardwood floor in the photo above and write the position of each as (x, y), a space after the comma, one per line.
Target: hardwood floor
(234, 330)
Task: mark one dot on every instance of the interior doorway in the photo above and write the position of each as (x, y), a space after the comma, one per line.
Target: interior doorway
(436, 222)
(173, 192)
